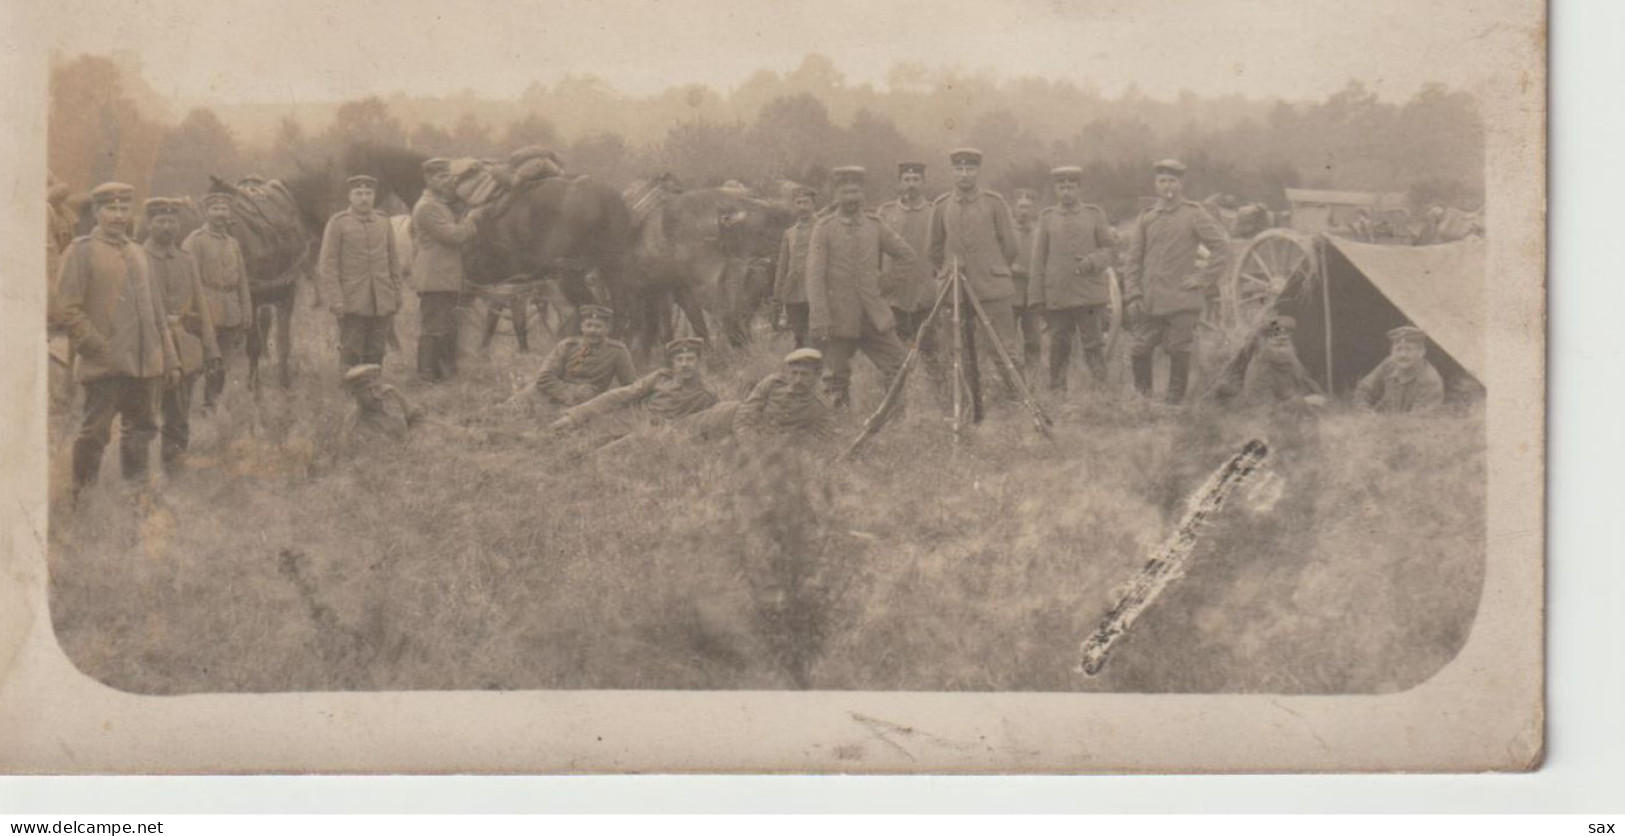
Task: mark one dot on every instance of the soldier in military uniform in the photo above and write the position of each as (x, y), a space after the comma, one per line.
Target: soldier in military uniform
(379, 411)
(1028, 314)
(175, 275)
(910, 288)
(438, 270)
(971, 226)
(220, 268)
(790, 280)
(581, 368)
(359, 275)
(1072, 250)
(843, 287)
(663, 396)
(785, 404)
(1405, 381)
(1163, 289)
(1274, 375)
(114, 315)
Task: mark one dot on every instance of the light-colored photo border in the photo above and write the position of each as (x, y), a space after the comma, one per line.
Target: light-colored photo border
(1482, 711)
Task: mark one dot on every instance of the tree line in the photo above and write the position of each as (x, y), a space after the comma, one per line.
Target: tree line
(799, 125)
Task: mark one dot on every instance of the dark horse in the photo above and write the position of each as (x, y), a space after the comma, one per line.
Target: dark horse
(569, 228)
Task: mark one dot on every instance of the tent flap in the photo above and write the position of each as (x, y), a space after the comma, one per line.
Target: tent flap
(1440, 288)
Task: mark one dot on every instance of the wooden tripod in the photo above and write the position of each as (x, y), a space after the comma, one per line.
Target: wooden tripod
(956, 297)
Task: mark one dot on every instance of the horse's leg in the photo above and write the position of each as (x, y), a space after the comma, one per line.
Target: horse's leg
(694, 311)
(284, 337)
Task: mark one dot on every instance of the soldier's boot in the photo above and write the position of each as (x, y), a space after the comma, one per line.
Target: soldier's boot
(493, 318)
(1029, 362)
(448, 355)
(170, 457)
(133, 457)
(1179, 373)
(1057, 375)
(1141, 366)
(428, 370)
(521, 330)
(1095, 359)
(87, 463)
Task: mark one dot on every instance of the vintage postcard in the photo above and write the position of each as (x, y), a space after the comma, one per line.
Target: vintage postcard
(889, 387)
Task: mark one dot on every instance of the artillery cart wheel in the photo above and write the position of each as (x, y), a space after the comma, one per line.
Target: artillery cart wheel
(1274, 261)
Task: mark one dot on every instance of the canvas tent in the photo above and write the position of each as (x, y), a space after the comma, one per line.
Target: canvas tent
(1346, 307)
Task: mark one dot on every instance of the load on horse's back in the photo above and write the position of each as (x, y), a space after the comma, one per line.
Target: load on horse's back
(271, 228)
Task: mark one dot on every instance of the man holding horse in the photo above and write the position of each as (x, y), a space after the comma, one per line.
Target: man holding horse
(438, 269)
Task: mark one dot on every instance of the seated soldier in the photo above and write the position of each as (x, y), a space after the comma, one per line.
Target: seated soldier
(786, 403)
(663, 396)
(380, 411)
(579, 369)
(1405, 381)
(1274, 375)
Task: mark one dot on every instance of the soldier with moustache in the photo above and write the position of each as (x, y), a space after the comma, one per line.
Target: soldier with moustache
(1163, 288)
(115, 318)
(848, 312)
(579, 369)
(224, 276)
(359, 275)
(175, 276)
(790, 279)
(1028, 313)
(1072, 251)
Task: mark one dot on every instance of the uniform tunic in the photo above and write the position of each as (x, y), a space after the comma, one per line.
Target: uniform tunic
(908, 288)
(659, 395)
(111, 310)
(358, 269)
(219, 261)
(176, 276)
(439, 236)
(976, 230)
(843, 273)
(1272, 380)
(1389, 388)
(1021, 269)
(776, 408)
(1162, 258)
(577, 370)
(790, 280)
(1071, 252)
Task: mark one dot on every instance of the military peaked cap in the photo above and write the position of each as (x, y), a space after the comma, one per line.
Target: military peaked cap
(1169, 166)
(690, 345)
(366, 371)
(964, 156)
(598, 312)
(357, 181)
(804, 191)
(1066, 173)
(1407, 333)
(437, 165)
(804, 355)
(112, 193)
(156, 206)
(848, 174)
(910, 167)
(212, 198)
(250, 179)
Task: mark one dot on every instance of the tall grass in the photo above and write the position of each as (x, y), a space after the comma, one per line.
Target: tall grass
(489, 554)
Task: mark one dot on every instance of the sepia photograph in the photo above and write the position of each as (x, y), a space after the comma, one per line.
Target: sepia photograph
(758, 360)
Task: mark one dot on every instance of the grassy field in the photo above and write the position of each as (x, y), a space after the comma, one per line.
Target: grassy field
(489, 555)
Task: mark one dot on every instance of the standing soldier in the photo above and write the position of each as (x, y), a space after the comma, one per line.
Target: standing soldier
(1071, 254)
(843, 287)
(972, 226)
(219, 262)
(579, 369)
(1163, 288)
(115, 318)
(438, 271)
(908, 287)
(790, 281)
(359, 275)
(1405, 381)
(785, 404)
(1027, 312)
(61, 220)
(175, 276)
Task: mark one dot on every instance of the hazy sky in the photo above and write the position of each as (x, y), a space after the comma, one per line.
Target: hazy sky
(301, 50)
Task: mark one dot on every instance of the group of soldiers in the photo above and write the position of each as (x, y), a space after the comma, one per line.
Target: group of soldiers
(146, 320)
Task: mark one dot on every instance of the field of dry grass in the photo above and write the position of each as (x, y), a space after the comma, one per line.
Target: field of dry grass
(489, 555)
